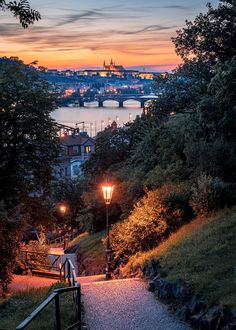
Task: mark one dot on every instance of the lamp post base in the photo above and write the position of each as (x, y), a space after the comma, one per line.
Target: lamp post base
(108, 276)
(108, 262)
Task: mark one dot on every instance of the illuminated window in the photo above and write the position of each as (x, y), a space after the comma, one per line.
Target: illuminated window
(88, 149)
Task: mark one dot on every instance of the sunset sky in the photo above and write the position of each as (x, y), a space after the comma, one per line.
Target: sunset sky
(82, 33)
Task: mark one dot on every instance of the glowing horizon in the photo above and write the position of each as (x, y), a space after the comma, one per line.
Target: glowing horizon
(83, 35)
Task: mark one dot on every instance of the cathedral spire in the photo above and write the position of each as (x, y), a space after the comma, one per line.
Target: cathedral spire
(104, 65)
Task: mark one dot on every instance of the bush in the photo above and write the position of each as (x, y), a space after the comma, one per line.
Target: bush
(156, 215)
(209, 194)
(34, 260)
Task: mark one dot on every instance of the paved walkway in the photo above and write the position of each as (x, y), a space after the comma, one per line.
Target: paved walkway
(124, 305)
(25, 282)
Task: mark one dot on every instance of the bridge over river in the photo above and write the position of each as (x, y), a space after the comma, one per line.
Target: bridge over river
(119, 98)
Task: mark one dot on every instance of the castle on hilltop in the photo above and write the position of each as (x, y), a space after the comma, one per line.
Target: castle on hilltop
(112, 67)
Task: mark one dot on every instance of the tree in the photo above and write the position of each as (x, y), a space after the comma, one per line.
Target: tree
(22, 11)
(29, 143)
(68, 192)
(211, 37)
(112, 146)
(10, 234)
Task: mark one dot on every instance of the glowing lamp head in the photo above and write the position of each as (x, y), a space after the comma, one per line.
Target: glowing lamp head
(107, 193)
(62, 209)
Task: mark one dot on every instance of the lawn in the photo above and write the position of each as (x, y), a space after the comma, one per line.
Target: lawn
(91, 252)
(16, 308)
(202, 253)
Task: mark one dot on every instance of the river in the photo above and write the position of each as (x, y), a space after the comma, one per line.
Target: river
(96, 119)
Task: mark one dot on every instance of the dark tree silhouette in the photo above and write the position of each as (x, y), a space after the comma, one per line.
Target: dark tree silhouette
(22, 11)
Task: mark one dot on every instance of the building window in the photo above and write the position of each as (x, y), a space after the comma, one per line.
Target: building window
(88, 149)
(75, 150)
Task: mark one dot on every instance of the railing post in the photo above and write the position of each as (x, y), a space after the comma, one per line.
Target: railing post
(68, 273)
(78, 309)
(58, 317)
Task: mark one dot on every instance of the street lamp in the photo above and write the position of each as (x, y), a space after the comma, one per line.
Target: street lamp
(102, 125)
(63, 210)
(107, 194)
(117, 120)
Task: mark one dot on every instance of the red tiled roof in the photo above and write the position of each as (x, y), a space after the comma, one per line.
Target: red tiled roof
(71, 140)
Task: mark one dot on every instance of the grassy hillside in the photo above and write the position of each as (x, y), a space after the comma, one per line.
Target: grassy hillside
(202, 253)
(91, 252)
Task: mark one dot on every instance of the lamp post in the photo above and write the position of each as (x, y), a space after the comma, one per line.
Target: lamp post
(107, 194)
(63, 210)
(102, 125)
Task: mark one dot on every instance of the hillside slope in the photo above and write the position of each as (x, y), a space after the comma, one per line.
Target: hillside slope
(202, 253)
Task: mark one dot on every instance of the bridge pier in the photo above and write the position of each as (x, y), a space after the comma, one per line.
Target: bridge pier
(121, 104)
(100, 104)
(81, 103)
(142, 103)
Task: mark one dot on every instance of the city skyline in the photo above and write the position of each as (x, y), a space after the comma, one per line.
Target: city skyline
(82, 35)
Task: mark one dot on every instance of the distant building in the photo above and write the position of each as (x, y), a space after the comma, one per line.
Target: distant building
(76, 149)
(113, 67)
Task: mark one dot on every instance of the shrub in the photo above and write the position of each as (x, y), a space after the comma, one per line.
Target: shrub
(208, 194)
(34, 260)
(156, 215)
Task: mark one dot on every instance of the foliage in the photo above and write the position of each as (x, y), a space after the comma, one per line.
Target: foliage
(217, 109)
(36, 212)
(210, 38)
(209, 194)
(35, 260)
(10, 235)
(68, 192)
(112, 146)
(157, 214)
(211, 146)
(200, 253)
(22, 11)
(182, 90)
(29, 143)
(93, 218)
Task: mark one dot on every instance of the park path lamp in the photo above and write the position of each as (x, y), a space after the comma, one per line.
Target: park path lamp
(63, 210)
(107, 194)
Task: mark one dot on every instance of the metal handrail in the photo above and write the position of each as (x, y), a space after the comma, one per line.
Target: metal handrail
(61, 239)
(71, 275)
(50, 266)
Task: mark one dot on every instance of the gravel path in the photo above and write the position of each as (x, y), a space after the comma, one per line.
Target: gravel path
(125, 305)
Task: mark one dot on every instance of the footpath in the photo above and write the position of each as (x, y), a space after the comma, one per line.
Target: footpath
(124, 305)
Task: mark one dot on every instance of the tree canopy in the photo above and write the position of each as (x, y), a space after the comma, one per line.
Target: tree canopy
(29, 143)
(211, 36)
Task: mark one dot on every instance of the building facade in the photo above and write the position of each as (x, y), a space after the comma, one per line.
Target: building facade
(77, 147)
